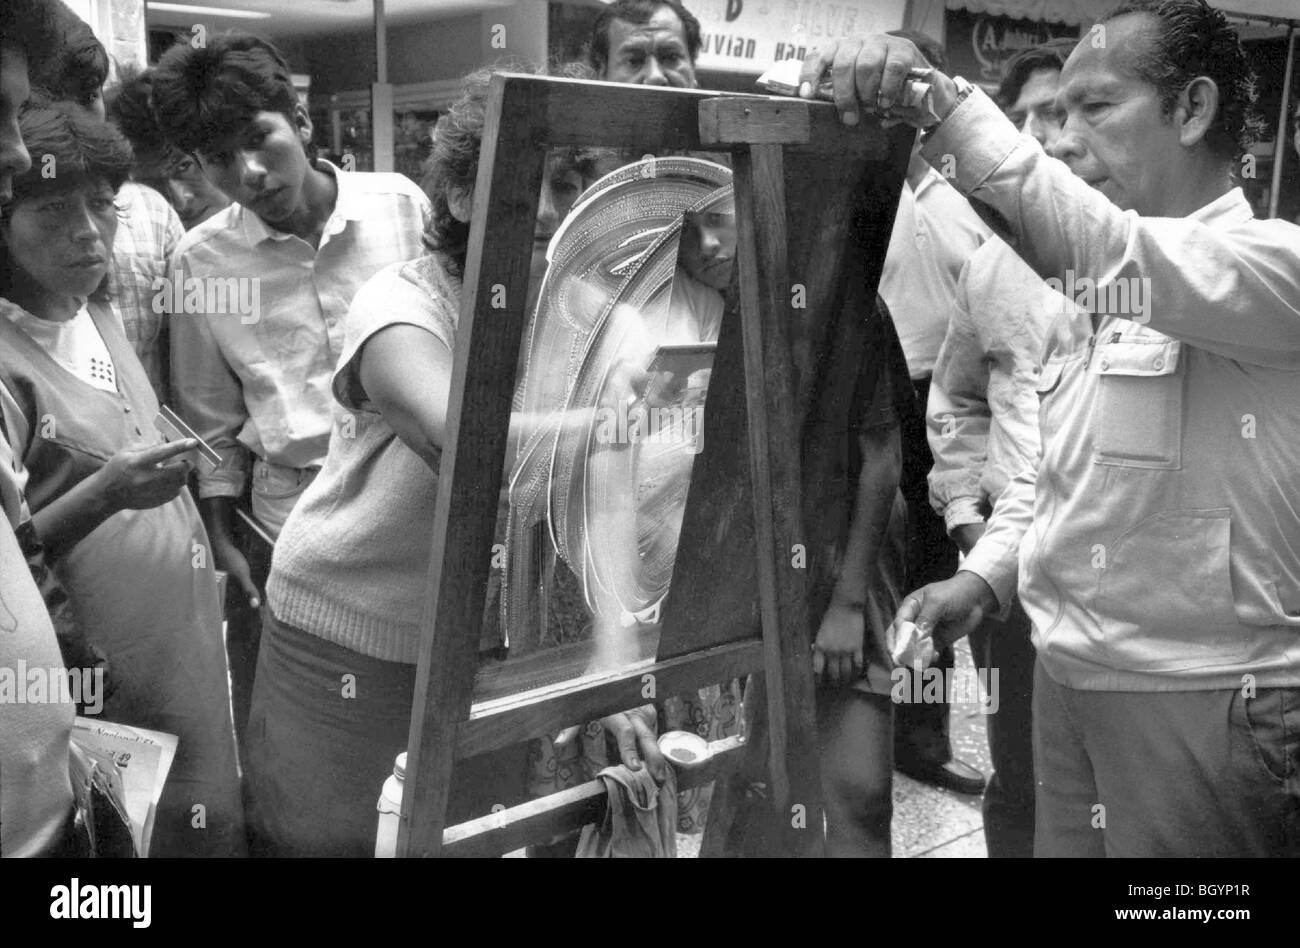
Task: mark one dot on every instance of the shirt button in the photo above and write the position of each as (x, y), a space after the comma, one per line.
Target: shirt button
(1158, 364)
(1104, 365)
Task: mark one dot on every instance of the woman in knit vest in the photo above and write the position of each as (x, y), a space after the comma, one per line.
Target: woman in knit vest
(335, 679)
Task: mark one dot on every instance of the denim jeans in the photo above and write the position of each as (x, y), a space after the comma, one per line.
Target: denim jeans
(276, 488)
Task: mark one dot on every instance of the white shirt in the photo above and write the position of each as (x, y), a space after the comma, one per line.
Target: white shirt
(935, 232)
(257, 377)
(74, 344)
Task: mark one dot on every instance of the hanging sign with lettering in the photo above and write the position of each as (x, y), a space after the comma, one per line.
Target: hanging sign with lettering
(978, 44)
(750, 35)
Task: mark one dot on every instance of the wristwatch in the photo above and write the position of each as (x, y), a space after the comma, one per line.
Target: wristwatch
(964, 89)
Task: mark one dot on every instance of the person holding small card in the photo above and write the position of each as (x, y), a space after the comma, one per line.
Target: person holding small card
(106, 497)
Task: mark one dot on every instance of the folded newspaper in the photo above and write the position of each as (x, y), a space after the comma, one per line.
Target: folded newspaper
(141, 759)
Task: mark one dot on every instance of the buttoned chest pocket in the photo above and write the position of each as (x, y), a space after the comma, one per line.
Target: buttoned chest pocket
(1139, 421)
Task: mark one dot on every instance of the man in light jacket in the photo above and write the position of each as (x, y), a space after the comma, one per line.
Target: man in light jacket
(1161, 563)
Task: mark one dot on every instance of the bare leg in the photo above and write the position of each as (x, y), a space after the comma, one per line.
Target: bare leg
(856, 731)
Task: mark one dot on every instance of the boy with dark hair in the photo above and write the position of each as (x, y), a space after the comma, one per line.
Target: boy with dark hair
(158, 163)
(254, 379)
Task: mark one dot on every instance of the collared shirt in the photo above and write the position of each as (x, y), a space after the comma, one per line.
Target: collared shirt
(148, 231)
(983, 406)
(935, 232)
(1163, 548)
(253, 375)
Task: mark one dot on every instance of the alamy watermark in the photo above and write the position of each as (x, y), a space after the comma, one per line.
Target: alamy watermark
(208, 296)
(957, 685)
(634, 422)
(1129, 297)
(21, 684)
(76, 900)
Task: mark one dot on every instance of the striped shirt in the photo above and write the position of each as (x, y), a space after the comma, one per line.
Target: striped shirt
(259, 326)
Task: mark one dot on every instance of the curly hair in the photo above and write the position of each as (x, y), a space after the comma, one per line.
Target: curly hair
(1194, 39)
(639, 12)
(78, 147)
(457, 140)
(206, 94)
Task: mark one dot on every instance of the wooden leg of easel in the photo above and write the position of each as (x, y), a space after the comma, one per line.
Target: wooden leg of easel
(733, 818)
(487, 351)
(765, 303)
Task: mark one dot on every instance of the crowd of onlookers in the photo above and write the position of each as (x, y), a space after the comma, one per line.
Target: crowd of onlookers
(1075, 443)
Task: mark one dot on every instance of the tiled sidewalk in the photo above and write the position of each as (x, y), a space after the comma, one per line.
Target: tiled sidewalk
(929, 822)
(933, 822)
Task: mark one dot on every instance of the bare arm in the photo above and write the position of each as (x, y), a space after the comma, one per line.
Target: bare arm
(406, 373)
(136, 478)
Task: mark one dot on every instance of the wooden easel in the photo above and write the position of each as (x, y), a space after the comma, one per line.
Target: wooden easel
(798, 174)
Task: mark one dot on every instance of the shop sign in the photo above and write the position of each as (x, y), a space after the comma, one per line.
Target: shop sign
(978, 44)
(750, 35)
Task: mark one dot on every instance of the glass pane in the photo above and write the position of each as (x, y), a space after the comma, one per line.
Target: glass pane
(612, 385)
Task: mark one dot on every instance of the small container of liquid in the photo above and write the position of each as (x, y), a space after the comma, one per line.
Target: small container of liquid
(684, 749)
(390, 810)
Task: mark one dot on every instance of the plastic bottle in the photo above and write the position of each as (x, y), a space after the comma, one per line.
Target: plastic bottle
(390, 810)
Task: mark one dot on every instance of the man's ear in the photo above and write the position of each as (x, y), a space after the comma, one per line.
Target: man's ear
(302, 123)
(1196, 110)
(460, 201)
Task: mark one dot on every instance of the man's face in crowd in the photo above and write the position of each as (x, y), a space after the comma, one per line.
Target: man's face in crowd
(1034, 111)
(14, 90)
(1116, 135)
(708, 249)
(650, 54)
(178, 178)
(262, 165)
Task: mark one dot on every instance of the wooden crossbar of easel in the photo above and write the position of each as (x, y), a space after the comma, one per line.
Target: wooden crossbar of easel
(750, 458)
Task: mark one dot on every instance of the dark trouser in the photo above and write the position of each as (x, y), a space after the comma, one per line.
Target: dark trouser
(244, 630)
(1004, 648)
(921, 729)
(1175, 773)
(325, 726)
